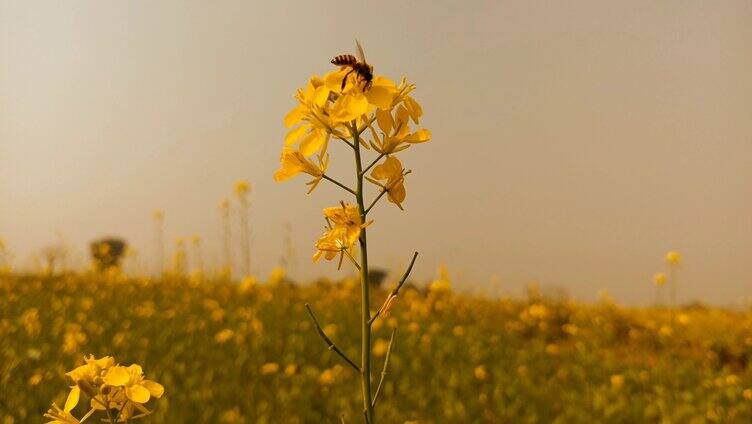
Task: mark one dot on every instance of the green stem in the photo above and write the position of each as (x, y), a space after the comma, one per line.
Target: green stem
(365, 364)
(386, 367)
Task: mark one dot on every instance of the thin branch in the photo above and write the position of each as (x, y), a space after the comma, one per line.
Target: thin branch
(329, 341)
(368, 209)
(354, 262)
(372, 164)
(383, 371)
(345, 140)
(328, 178)
(396, 289)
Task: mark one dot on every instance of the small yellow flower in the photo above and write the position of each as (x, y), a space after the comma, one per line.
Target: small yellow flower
(35, 379)
(294, 162)
(242, 187)
(659, 278)
(673, 258)
(277, 275)
(158, 215)
(380, 347)
(394, 174)
(137, 389)
(617, 381)
(291, 369)
(346, 224)
(326, 378)
(480, 372)
(396, 134)
(313, 120)
(269, 368)
(224, 335)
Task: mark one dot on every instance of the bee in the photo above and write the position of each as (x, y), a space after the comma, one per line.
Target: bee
(362, 69)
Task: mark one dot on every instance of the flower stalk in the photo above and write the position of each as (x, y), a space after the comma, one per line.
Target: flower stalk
(341, 105)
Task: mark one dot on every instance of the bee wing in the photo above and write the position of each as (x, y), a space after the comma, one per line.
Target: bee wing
(359, 49)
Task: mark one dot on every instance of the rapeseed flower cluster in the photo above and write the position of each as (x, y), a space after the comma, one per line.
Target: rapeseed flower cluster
(118, 392)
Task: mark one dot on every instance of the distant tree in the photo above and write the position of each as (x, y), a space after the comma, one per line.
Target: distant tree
(107, 252)
(376, 277)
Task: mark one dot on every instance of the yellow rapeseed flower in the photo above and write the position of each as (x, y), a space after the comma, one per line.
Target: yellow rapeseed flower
(131, 378)
(617, 381)
(393, 173)
(269, 368)
(396, 134)
(242, 187)
(345, 225)
(673, 258)
(294, 162)
(224, 335)
(480, 372)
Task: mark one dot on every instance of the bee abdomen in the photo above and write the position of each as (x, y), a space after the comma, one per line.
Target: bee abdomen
(344, 60)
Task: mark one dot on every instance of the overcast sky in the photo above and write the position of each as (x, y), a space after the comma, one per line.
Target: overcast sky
(573, 142)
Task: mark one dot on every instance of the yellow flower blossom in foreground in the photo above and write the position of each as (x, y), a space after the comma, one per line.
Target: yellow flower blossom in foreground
(394, 174)
(294, 162)
(673, 258)
(131, 378)
(110, 387)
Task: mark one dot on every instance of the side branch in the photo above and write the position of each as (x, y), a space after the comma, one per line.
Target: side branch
(346, 188)
(383, 370)
(368, 209)
(352, 146)
(375, 161)
(330, 344)
(396, 289)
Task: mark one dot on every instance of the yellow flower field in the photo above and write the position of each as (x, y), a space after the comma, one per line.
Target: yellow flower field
(247, 353)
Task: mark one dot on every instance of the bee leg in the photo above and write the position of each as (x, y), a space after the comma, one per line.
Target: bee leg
(344, 80)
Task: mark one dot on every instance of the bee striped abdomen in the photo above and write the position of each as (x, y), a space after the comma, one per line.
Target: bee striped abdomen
(344, 60)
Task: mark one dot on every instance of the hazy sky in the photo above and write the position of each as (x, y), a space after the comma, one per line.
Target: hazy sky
(574, 142)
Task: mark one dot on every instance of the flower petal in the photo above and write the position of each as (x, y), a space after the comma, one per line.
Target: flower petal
(117, 376)
(156, 389)
(72, 399)
(137, 393)
(385, 121)
(380, 96)
(294, 116)
(414, 108)
(321, 95)
(312, 143)
(294, 134)
(420, 136)
(349, 107)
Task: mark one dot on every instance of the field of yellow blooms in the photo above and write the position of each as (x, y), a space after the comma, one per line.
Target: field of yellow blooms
(247, 353)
